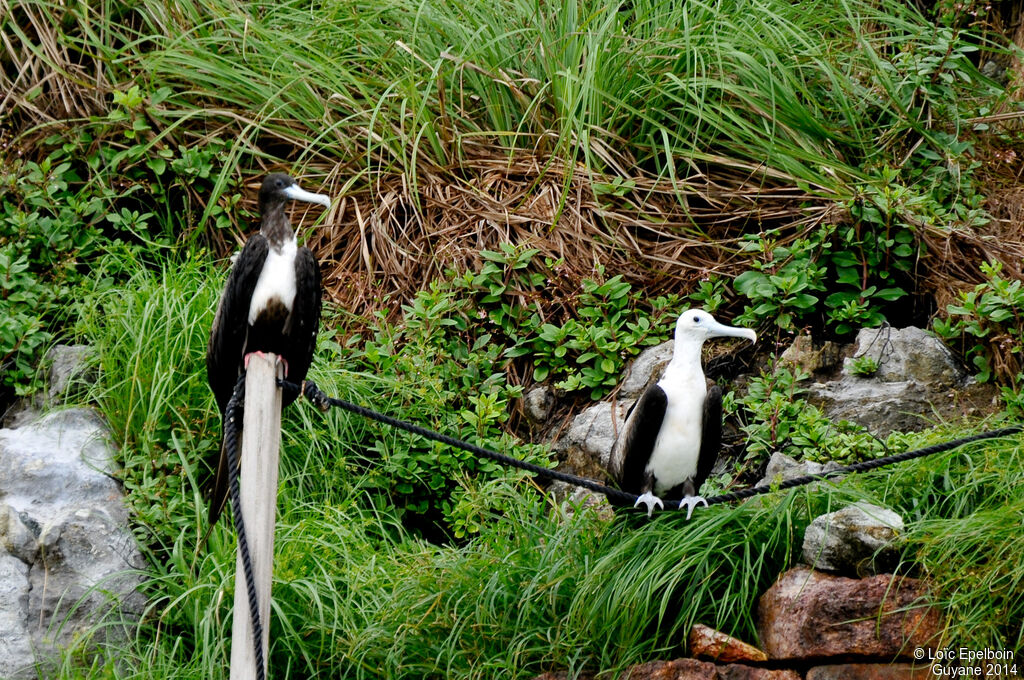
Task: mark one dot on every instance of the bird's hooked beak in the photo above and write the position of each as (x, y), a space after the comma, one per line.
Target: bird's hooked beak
(297, 194)
(719, 330)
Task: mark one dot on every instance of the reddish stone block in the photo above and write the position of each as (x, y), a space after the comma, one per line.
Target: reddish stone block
(715, 645)
(870, 671)
(810, 615)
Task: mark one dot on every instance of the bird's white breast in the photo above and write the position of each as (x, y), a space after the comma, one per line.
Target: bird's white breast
(674, 459)
(277, 280)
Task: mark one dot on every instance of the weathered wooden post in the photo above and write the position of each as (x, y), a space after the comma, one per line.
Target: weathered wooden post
(261, 441)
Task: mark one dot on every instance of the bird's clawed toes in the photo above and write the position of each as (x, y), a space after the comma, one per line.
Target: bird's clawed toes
(248, 356)
(691, 502)
(245, 361)
(650, 500)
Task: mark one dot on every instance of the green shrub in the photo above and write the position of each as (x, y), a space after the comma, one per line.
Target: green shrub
(991, 316)
(445, 364)
(47, 230)
(434, 371)
(106, 186)
(776, 417)
(784, 282)
(586, 352)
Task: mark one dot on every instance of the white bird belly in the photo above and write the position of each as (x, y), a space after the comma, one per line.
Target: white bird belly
(277, 280)
(677, 448)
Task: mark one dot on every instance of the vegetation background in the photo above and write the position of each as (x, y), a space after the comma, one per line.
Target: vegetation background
(526, 192)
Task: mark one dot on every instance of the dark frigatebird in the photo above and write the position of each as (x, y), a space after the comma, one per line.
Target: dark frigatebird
(271, 304)
(673, 431)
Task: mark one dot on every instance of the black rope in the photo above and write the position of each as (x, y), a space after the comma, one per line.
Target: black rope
(324, 401)
(864, 466)
(231, 445)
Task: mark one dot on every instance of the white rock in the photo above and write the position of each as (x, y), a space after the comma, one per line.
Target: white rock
(537, 403)
(647, 365)
(66, 553)
(858, 540)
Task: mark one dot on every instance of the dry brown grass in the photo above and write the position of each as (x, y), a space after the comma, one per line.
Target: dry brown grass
(385, 241)
(386, 238)
(42, 79)
(380, 244)
(954, 255)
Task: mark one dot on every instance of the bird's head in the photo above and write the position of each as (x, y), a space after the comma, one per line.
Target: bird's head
(280, 188)
(695, 326)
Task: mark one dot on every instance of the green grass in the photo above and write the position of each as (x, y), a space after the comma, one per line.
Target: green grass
(816, 94)
(967, 536)
(817, 97)
(357, 595)
(151, 335)
(668, 121)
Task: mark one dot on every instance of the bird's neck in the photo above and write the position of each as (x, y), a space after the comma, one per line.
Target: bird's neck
(275, 227)
(685, 367)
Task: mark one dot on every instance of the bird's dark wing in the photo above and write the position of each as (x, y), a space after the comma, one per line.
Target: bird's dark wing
(635, 443)
(230, 324)
(224, 356)
(219, 489)
(711, 436)
(302, 324)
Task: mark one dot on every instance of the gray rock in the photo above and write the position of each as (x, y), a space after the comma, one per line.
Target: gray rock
(879, 407)
(591, 436)
(918, 381)
(59, 461)
(782, 468)
(805, 356)
(71, 368)
(649, 364)
(69, 364)
(907, 354)
(859, 540)
(64, 541)
(537, 404)
(18, 535)
(16, 659)
(94, 564)
(22, 412)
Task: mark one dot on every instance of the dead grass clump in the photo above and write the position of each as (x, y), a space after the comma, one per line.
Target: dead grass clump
(954, 255)
(382, 243)
(44, 77)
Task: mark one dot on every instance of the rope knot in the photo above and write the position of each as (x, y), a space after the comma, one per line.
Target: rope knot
(316, 396)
